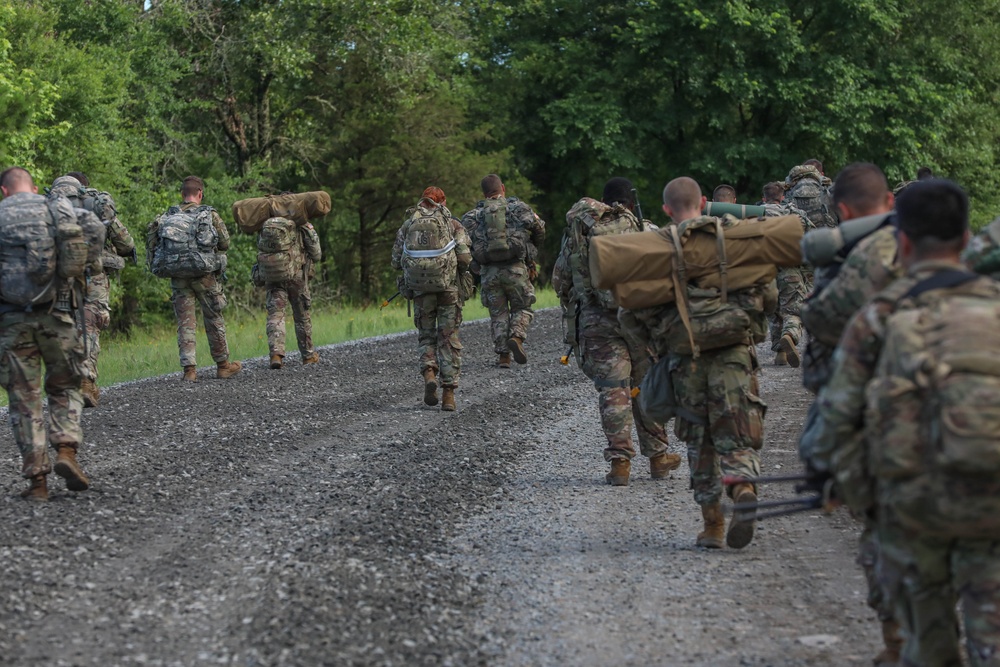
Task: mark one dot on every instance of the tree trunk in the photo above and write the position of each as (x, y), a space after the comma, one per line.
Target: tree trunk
(364, 254)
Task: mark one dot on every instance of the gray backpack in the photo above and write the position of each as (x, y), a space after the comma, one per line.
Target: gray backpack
(186, 244)
(814, 200)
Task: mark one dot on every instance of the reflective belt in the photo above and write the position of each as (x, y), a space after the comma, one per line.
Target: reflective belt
(429, 253)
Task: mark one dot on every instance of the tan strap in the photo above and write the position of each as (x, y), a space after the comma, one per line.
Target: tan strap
(679, 275)
(720, 242)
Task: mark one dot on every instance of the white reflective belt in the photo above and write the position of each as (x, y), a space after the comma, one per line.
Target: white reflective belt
(429, 253)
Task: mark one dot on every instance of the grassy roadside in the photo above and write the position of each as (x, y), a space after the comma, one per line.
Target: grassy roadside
(151, 353)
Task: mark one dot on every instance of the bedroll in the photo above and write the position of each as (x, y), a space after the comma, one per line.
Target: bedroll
(251, 214)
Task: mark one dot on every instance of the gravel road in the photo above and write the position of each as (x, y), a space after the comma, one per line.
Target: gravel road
(322, 515)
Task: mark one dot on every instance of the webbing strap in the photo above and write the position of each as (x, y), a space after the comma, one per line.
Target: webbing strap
(429, 253)
(941, 280)
(679, 275)
(720, 244)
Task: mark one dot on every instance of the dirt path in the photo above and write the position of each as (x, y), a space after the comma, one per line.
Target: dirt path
(323, 516)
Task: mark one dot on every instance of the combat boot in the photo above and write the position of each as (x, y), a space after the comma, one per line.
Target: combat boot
(67, 467)
(715, 526)
(780, 359)
(620, 469)
(516, 347)
(661, 465)
(227, 369)
(503, 361)
(277, 361)
(791, 351)
(38, 491)
(430, 387)
(91, 394)
(741, 525)
(311, 358)
(889, 657)
(191, 373)
(448, 399)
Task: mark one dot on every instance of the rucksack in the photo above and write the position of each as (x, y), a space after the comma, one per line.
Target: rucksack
(186, 246)
(41, 242)
(933, 415)
(429, 262)
(490, 245)
(279, 252)
(587, 219)
(814, 200)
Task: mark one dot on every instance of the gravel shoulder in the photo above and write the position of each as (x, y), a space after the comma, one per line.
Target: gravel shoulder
(322, 515)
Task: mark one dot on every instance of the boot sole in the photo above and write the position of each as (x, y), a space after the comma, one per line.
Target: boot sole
(664, 472)
(75, 479)
(709, 542)
(430, 393)
(516, 352)
(791, 353)
(741, 526)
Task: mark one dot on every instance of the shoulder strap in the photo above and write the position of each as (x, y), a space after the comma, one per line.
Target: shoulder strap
(680, 288)
(941, 280)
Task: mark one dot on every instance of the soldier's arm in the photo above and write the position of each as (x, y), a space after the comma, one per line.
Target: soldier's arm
(310, 240)
(152, 240)
(221, 230)
(119, 238)
(397, 248)
(562, 275)
(462, 245)
(537, 227)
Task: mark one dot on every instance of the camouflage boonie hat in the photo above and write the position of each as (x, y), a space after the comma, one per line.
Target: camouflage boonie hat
(67, 186)
(803, 171)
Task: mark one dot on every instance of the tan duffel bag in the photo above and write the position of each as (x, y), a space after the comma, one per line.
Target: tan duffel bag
(300, 208)
(638, 268)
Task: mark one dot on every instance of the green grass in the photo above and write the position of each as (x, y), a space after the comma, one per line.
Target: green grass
(152, 353)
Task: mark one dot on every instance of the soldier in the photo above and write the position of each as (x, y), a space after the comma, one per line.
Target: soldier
(840, 291)
(721, 417)
(725, 194)
(911, 406)
(36, 326)
(194, 275)
(608, 360)
(284, 266)
(505, 235)
(794, 284)
(810, 191)
(432, 250)
(97, 303)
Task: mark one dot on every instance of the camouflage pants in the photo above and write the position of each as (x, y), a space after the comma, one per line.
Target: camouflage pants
(792, 289)
(926, 578)
(438, 318)
(608, 361)
(868, 557)
(508, 294)
(188, 292)
(27, 340)
(97, 318)
(719, 385)
(279, 297)
(817, 364)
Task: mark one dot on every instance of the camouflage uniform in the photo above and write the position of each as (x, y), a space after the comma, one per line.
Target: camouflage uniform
(296, 293)
(982, 254)
(27, 339)
(812, 192)
(506, 289)
(608, 359)
(794, 285)
(186, 293)
(438, 316)
(922, 577)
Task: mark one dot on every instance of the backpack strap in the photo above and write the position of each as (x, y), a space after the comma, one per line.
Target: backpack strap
(720, 244)
(679, 275)
(940, 280)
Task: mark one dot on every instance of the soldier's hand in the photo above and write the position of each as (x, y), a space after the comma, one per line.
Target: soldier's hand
(533, 272)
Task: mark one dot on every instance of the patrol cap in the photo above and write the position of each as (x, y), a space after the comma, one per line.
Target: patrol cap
(936, 208)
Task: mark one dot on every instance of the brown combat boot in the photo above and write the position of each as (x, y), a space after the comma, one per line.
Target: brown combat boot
(889, 657)
(503, 361)
(227, 369)
(38, 491)
(661, 465)
(448, 399)
(715, 526)
(277, 361)
(311, 358)
(791, 351)
(741, 525)
(516, 347)
(620, 469)
(780, 359)
(67, 467)
(430, 387)
(191, 373)
(91, 394)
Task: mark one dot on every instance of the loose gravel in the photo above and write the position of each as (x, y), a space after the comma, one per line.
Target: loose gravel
(322, 515)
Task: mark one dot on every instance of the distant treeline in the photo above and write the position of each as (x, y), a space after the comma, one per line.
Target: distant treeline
(373, 100)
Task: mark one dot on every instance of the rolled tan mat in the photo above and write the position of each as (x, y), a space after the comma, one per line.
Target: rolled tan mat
(250, 214)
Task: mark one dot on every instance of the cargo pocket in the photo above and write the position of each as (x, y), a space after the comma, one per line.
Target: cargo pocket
(755, 411)
(970, 439)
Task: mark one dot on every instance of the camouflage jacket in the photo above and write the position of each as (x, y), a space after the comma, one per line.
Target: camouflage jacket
(462, 243)
(868, 269)
(837, 442)
(118, 241)
(522, 222)
(982, 255)
(153, 239)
